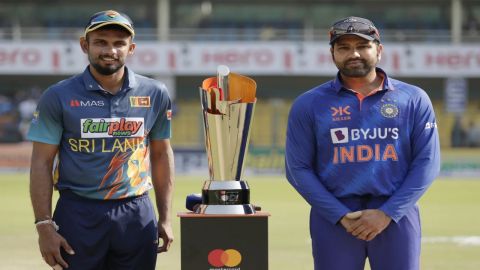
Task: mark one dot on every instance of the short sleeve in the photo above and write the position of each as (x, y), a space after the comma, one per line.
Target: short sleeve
(162, 127)
(46, 125)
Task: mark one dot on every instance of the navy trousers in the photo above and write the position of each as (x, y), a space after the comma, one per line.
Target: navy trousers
(396, 248)
(107, 235)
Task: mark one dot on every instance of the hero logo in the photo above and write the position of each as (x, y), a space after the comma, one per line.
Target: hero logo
(112, 127)
(344, 135)
(88, 103)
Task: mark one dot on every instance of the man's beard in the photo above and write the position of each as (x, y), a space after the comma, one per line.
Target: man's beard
(357, 72)
(106, 70)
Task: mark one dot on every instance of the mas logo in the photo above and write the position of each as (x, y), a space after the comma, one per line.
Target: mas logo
(112, 127)
(224, 258)
(140, 101)
(87, 103)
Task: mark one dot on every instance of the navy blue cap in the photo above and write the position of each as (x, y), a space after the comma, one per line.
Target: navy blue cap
(354, 26)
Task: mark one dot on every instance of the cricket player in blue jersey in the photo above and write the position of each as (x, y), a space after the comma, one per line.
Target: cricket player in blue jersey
(361, 150)
(111, 130)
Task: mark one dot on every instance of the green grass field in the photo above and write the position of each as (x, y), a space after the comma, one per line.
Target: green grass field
(449, 209)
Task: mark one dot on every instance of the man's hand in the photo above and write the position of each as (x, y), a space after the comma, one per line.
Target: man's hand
(348, 220)
(50, 243)
(165, 232)
(369, 224)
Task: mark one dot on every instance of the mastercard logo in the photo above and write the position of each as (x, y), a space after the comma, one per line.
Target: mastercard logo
(228, 258)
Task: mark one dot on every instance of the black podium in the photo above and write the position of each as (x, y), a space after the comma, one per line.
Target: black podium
(224, 242)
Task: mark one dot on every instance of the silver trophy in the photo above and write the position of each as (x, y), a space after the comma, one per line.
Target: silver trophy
(228, 102)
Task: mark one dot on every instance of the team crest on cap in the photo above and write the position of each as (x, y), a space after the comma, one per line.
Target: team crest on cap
(389, 110)
(111, 13)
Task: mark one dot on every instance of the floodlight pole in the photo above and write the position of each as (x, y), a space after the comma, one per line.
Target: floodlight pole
(456, 23)
(163, 20)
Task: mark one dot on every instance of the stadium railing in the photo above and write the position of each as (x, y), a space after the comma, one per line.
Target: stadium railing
(235, 34)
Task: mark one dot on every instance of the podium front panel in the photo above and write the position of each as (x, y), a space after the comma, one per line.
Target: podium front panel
(224, 242)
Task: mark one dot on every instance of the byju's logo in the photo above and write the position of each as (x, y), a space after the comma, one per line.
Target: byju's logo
(221, 258)
(339, 135)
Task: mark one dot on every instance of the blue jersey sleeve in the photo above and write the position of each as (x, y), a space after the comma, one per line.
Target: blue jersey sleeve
(425, 164)
(300, 155)
(162, 127)
(46, 125)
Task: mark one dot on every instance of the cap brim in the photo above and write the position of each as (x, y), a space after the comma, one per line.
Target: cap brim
(93, 28)
(367, 37)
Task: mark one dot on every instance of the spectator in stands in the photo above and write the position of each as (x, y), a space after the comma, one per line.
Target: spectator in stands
(473, 135)
(27, 104)
(471, 24)
(458, 135)
(9, 121)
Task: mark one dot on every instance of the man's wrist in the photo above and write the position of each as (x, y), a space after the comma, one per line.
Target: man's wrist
(47, 222)
(42, 219)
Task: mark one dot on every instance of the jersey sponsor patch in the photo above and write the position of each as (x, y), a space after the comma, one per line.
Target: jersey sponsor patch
(169, 114)
(430, 125)
(339, 135)
(140, 101)
(86, 103)
(341, 113)
(344, 135)
(112, 127)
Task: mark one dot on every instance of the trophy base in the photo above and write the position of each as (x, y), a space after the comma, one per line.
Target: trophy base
(242, 209)
(226, 198)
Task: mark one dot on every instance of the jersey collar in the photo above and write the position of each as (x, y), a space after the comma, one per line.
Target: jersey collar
(337, 83)
(92, 85)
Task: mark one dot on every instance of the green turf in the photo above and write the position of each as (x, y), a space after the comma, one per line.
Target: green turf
(447, 210)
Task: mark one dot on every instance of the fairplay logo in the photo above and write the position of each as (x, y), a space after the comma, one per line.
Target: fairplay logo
(112, 127)
(224, 258)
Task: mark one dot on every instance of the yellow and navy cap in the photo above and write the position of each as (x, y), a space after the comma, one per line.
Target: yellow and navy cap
(109, 17)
